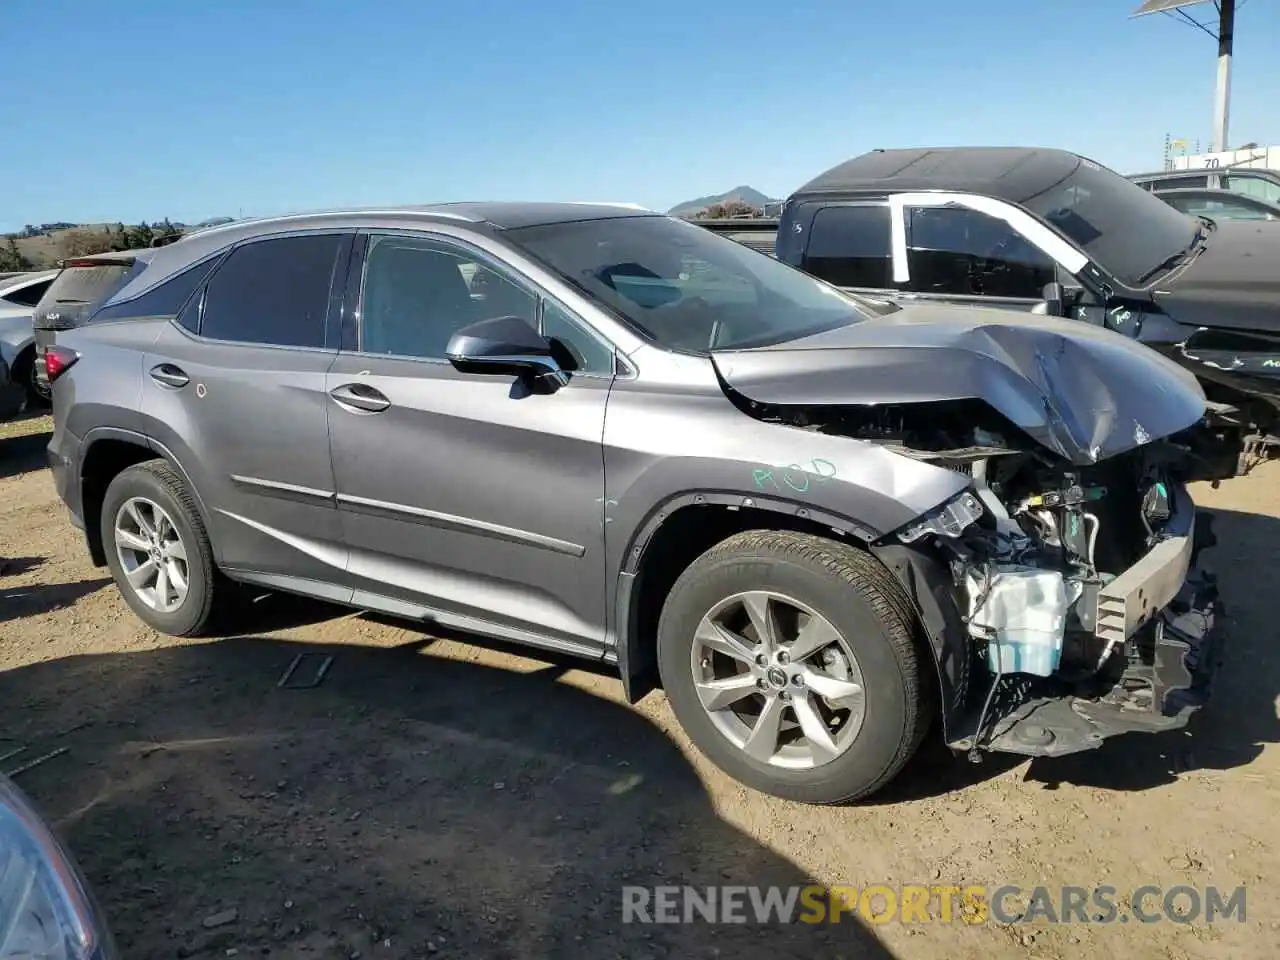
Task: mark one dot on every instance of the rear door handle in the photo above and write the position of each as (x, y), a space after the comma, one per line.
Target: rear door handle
(168, 375)
(359, 398)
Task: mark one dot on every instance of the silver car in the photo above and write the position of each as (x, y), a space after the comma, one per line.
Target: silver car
(19, 295)
(819, 523)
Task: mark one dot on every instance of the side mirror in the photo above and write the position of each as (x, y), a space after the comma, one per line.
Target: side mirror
(504, 345)
(1055, 299)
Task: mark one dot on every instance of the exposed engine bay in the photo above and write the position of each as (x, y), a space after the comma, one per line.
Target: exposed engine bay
(1074, 582)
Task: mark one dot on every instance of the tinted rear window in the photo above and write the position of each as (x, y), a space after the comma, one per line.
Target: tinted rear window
(27, 296)
(77, 290)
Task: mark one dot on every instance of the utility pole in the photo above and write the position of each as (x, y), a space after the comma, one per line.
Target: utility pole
(1226, 40)
(1222, 100)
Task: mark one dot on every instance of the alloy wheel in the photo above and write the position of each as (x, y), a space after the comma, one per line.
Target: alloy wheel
(152, 554)
(778, 680)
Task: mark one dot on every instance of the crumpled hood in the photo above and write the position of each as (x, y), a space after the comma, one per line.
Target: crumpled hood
(1083, 392)
(1233, 282)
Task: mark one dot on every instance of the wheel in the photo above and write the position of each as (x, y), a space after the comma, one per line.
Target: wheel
(791, 662)
(158, 550)
(39, 395)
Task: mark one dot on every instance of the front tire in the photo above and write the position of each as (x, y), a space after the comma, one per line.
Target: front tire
(791, 662)
(158, 550)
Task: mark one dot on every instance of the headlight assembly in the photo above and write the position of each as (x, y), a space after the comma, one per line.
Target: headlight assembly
(46, 910)
(948, 520)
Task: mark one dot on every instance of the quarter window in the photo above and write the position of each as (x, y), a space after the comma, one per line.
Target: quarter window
(586, 353)
(164, 300)
(274, 292)
(957, 251)
(850, 247)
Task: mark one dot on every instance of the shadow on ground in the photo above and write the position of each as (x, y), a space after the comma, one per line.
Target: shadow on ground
(1229, 732)
(25, 452)
(409, 806)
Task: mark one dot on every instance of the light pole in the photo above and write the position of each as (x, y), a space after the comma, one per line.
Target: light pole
(1225, 37)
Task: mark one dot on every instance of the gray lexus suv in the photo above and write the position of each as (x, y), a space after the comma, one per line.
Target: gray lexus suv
(824, 526)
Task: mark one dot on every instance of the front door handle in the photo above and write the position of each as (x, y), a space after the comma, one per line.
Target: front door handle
(359, 398)
(168, 375)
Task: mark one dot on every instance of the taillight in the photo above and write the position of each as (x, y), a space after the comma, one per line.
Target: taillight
(58, 360)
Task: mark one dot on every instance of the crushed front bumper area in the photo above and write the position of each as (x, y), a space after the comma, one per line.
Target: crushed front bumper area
(1173, 646)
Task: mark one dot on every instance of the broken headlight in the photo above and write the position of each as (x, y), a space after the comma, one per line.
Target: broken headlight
(949, 520)
(46, 911)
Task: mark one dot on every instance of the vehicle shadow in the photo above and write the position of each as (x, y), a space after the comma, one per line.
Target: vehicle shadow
(410, 805)
(37, 598)
(24, 452)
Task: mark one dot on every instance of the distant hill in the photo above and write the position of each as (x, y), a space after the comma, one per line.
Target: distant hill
(748, 195)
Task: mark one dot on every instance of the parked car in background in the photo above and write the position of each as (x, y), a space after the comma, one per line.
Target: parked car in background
(758, 233)
(819, 524)
(1260, 183)
(1047, 230)
(19, 295)
(1218, 204)
(13, 397)
(79, 286)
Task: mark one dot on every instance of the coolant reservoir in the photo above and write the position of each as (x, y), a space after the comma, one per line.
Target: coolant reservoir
(1023, 617)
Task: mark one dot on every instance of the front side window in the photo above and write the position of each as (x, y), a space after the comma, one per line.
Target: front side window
(274, 291)
(683, 286)
(958, 251)
(850, 246)
(418, 293)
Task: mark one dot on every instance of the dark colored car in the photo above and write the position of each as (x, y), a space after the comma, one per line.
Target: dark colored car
(819, 523)
(1218, 204)
(1259, 183)
(1048, 230)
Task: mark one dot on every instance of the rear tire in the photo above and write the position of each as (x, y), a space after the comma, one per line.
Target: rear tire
(848, 623)
(39, 397)
(158, 550)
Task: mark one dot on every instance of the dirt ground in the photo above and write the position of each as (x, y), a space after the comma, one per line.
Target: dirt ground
(434, 797)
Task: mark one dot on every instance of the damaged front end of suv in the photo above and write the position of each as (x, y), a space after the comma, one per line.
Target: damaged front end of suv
(1060, 586)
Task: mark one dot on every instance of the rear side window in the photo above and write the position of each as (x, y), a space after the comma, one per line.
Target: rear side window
(165, 300)
(850, 247)
(78, 289)
(27, 296)
(274, 292)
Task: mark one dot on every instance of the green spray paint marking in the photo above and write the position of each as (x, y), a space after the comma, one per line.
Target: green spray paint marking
(794, 476)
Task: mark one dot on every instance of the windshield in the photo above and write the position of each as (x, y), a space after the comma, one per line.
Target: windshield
(1126, 230)
(685, 287)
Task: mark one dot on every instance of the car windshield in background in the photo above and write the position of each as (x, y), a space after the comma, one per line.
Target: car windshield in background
(1127, 230)
(686, 288)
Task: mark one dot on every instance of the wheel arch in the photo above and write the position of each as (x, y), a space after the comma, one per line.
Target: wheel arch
(106, 452)
(678, 530)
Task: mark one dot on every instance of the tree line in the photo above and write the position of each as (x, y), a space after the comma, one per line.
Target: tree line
(86, 241)
(727, 210)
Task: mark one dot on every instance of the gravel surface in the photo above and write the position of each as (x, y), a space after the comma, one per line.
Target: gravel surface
(435, 797)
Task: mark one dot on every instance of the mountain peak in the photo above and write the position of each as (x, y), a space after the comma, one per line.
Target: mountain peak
(744, 194)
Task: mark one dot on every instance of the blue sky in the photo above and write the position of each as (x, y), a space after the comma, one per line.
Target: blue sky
(154, 108)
